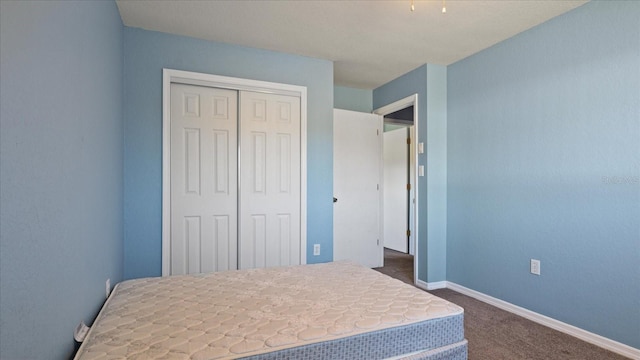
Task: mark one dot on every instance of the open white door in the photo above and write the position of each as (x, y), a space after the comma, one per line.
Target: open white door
(357, 175)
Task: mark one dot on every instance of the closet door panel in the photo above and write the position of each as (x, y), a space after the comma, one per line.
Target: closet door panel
(269, 180)
(204, 191)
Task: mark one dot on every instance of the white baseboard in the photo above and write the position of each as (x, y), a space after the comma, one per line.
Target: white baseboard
(581, 334)
(432, 285)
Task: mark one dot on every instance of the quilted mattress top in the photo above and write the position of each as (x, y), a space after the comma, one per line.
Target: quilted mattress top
(233, 314)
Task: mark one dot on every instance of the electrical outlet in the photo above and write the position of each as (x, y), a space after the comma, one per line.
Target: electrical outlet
(80, 332)
(316, 249)
(107, 286)
(535, 267)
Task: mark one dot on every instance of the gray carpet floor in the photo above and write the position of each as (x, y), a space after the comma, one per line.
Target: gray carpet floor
(495, 334)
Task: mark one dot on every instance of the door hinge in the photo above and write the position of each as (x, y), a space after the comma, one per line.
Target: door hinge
(378, 132)
(378, 241)
(408, 187)
(408, 233)
(377, 186)
(408, 141)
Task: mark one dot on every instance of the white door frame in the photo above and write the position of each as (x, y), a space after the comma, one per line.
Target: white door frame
(411, 100)
(193, 78)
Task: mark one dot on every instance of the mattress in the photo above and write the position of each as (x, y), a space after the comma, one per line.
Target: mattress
(337, 310)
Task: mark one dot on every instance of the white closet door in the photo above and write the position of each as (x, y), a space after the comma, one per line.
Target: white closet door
(203, 179)
(270, 180)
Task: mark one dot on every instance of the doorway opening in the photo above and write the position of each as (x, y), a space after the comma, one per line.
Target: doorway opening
(400, 191)
(398, 184)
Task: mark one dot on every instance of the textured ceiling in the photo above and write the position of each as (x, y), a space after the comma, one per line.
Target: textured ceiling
(370, 42)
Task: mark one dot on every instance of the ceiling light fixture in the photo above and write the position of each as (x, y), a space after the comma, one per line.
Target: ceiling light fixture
(444, 6)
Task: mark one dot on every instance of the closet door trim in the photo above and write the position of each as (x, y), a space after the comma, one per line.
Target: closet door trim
(224, 82)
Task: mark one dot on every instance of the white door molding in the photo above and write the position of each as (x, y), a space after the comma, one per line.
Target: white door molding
(411, 100)
(193, 78)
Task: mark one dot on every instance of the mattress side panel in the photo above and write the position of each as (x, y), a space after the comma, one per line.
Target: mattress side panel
(426, 335)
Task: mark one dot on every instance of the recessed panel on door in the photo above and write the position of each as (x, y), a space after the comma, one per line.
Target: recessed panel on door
(283, 148)
(281, 248)
(257, 164)
(221, 164)
(192, 161)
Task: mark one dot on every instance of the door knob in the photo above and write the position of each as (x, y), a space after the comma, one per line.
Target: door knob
(335, 199)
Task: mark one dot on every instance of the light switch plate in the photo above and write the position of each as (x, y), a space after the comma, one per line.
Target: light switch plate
(535, 267)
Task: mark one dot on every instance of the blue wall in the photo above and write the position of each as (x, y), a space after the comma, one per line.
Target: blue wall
(429, 82)
(544, 163)
(352, 99)
(436, 173)
(146, 54)
(61, 151)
